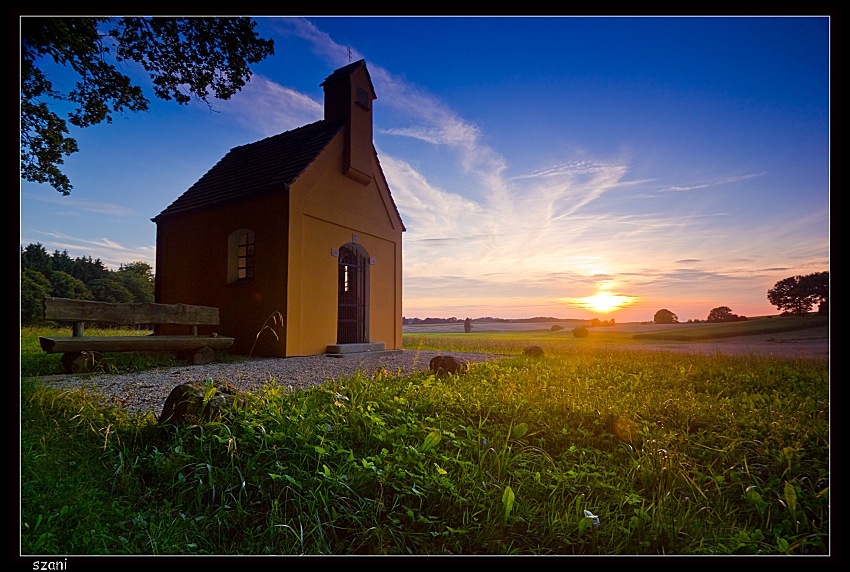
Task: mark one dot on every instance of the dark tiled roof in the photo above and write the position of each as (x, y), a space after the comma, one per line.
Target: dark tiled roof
(276, 161)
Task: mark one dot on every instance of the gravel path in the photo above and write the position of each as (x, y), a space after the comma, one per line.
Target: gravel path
(147, 391)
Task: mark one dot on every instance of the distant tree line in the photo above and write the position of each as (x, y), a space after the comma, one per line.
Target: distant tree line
(58, 275)
(597, 323)
(411, 321)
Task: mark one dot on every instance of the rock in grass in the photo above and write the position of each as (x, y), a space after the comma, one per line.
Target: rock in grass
(185, 403)
(533, 351)
(442, 365)
(81, 362)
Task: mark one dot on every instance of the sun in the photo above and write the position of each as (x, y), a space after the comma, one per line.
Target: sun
(603, 302)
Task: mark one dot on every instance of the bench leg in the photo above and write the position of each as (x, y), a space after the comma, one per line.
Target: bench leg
(81, 362)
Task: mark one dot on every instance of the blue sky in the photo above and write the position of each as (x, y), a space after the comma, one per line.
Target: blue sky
(678, 163)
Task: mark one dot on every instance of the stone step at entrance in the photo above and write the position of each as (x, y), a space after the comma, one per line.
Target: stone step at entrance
(360, 350)
(357, 348)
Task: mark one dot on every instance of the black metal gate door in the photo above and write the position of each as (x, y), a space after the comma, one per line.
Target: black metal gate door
(351, 325)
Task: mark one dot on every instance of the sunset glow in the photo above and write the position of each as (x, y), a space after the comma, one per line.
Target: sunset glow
(604, 302)
(678, 163)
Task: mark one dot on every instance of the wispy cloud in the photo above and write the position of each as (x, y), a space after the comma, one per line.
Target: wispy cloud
(271, 108)
(714, 183)
(574, 168)
(80, 205)
(433, 121)
(322, 44)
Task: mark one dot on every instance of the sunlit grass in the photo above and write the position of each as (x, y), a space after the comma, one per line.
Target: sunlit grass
(683, 454)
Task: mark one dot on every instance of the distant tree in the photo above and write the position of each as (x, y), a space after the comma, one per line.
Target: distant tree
(186, 58)
(557, 328)
(110, 289)
(816, 286)
(467, 325)
(720, 314)
(665, 316)
(138, 278)
(797, 294)
(62, 262)
(35, 257)
(63, 285)
(580, 332)
(34, 287)
(89, 270)
(724, 314)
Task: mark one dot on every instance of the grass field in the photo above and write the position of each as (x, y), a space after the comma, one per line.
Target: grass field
(681, 454)
(775, 325)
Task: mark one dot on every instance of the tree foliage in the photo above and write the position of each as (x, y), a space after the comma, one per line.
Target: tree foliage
(138, 278)
(80, 278)
(665, 316)
(34, 287)
(724, 314)
(186, 58)
(63, 285)
(797, 294)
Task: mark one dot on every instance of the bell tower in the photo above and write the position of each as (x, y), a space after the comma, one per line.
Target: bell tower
(349, 95)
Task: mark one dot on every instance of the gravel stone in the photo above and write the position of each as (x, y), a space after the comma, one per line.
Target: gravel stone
(146, 392)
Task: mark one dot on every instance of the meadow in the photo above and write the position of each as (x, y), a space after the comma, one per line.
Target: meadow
(588, 450)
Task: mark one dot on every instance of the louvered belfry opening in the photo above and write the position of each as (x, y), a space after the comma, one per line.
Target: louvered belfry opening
(353, 290)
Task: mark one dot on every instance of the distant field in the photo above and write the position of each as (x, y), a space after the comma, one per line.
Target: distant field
(806, 336)
(749, 328)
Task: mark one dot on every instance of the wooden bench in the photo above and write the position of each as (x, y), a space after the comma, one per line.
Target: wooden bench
(81, 354)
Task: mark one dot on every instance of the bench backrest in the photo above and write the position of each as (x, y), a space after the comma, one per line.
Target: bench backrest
(67, 310)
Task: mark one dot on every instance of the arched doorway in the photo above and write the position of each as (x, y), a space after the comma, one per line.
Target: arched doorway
(353, 313)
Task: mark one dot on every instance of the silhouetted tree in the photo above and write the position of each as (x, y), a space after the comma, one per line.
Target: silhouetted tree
(580, 332)
(185, 57)
(797, 294)
(817, 288)
(724, 314)
(665, 316)
(467, 325)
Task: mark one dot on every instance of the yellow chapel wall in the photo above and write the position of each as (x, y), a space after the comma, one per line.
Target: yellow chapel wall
(326, 208)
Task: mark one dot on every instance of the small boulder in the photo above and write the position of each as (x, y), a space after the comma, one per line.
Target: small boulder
(442, 365)
(533, 351)
(81, 362)
(186, 402)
